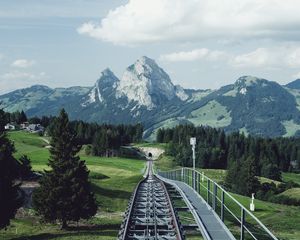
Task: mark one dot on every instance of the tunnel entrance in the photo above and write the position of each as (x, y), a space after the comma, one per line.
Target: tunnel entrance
(150, 154)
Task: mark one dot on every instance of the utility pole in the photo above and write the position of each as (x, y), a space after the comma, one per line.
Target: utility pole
(193, 143)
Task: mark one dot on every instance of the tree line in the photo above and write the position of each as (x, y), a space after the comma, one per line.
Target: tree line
(102, 139)
(245, 157)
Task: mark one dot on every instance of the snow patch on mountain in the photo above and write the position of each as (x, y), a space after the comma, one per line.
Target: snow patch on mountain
(243, 91)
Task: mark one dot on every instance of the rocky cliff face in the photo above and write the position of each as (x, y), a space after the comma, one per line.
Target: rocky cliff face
(147, 84)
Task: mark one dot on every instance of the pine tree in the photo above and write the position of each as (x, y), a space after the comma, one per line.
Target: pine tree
(247, 180)
(64, 193)
(25, 167)
(10, 199)
(22, 117)
(160, 135)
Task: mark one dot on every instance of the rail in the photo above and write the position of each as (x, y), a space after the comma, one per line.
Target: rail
(239, 220)
(150, 215)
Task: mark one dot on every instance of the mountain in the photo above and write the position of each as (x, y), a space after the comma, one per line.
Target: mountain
(41, 100)
(146, 94)
(294, 85)
(147, 84)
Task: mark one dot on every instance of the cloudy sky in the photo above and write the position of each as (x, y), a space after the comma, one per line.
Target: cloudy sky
(199, 43)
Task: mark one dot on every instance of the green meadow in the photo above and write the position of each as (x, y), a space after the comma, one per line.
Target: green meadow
(113, 181)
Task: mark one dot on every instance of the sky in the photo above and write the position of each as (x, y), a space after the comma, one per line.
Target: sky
(201, 44)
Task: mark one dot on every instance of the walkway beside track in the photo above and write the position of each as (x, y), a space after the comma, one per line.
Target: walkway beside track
(209, 223)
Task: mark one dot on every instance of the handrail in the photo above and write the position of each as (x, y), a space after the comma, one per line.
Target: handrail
(248, 212)
(188, 178)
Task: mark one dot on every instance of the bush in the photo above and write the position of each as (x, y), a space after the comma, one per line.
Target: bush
(88, 149)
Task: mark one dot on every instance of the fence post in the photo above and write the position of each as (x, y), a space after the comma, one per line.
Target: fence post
(182, 179)
(215, 196)
(193, 179)
(208, 189)
(199, 183)
(222, 205)
(186, 176)
(196, 182)
(242, 224)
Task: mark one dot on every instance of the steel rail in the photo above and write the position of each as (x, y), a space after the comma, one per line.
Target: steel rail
(150, 215)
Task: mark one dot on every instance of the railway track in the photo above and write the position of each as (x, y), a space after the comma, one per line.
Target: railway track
(150, 215)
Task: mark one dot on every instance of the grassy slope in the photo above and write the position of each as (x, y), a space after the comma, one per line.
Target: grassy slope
(295, 177)
(112, 193)
(210, 114)
(282, 219)
(292, 193)
(153, 145)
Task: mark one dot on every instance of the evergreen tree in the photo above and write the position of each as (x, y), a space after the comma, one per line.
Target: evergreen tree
(65, 192)
(271, 171)
(100, 143)
(10, 199)
(25, 167)
(22, 117)
(160, 135)
(232, 175)
(247, 180)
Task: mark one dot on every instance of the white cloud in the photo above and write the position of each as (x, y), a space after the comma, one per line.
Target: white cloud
(185, 56)
(16, 75)
(293, 58)
(258, 58)
(23, 63)
(16, 79)
(144, 21)
(296, 76)
(193, 55)
(282, 56)
(272, 57)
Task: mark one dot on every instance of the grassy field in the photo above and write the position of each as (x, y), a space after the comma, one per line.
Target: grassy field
(295, 177)
(153, 145)
(113, 181)
(283, 220)
(292, 193)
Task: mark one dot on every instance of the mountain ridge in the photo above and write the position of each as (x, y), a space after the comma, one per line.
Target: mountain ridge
(145, 93)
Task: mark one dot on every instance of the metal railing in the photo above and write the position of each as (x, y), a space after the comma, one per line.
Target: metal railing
(239, 220)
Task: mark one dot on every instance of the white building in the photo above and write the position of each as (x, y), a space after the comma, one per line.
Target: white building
(10, 126)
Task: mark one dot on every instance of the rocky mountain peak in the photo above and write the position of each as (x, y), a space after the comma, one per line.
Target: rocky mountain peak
(107, 76)
(107, 72)
(247, 81)
(105, 86)
(244, 83)
(146, 83)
